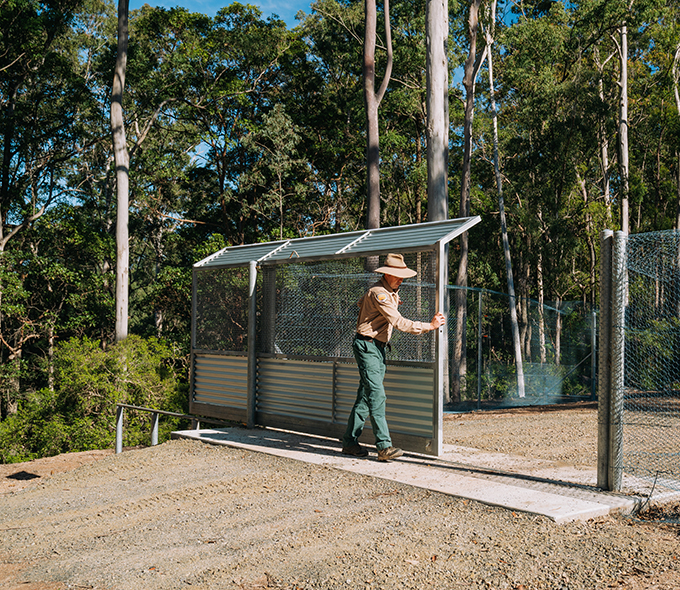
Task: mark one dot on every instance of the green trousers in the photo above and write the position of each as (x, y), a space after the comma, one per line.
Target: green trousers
(371, 397)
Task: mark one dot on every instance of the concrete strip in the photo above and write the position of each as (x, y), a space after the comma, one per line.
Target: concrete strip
(454, 474)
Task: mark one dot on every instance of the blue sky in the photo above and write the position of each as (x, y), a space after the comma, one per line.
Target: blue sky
(285, 9)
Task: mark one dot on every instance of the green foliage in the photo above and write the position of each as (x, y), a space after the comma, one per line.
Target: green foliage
(79, 414)
(242, 131)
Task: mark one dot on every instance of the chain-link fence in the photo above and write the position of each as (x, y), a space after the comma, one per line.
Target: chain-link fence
(651, 399)
(557, 344)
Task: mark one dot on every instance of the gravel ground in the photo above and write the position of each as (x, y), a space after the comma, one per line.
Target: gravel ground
(189, 515)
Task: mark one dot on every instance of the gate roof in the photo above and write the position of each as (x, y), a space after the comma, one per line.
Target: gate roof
(405, 238)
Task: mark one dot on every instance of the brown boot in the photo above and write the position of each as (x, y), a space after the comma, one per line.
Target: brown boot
(389, 453)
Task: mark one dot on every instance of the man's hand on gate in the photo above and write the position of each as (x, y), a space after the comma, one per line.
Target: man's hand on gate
(437, 321)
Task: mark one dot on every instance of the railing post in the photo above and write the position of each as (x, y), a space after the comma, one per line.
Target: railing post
(154, 429)
(119, 429)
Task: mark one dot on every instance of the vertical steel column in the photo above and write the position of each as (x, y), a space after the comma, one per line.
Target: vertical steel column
(194, 314)
(479, 352)
(252, 345)
(119, 429)
(440, 352)
(593, 357)
(617, 345)
(604, 368)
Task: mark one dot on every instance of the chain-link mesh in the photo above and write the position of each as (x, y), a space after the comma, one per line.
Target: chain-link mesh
(310, 309)
(556, 344)
(651, 412)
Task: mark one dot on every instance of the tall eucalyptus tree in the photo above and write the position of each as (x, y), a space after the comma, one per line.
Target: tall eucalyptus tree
(373, 98)
(122, 164)
(519, 367)
(473, 64)
(42, 93)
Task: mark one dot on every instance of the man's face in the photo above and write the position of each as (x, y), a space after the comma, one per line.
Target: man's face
(393, 281)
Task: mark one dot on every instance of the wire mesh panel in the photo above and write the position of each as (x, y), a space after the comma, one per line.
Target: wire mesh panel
(221, 322)
(651, 407)
(556, 342)
(310, 309)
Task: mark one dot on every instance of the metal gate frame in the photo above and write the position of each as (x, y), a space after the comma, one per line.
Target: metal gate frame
(260, 389)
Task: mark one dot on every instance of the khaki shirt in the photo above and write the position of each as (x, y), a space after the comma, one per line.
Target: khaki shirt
(379, 314)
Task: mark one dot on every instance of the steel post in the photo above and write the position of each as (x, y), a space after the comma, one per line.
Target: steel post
(119, 429)
(154, 429)
(479, 352)
(440, 382)
(617, 345)
(603, 381)
(252, 345)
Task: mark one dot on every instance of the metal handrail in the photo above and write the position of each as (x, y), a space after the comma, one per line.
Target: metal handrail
(195, 422)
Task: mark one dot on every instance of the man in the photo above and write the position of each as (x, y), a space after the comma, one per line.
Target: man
(378, 316)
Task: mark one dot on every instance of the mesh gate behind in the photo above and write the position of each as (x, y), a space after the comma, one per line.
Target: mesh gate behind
(651, 401)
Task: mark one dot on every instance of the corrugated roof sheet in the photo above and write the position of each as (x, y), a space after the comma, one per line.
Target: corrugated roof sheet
(404, 238)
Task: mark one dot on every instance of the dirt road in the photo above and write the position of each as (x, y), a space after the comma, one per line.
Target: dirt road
(189, 515)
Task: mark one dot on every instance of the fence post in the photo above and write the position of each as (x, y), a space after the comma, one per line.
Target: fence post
(593, 357)
(252, 345)
(154, 429)
(119, 429)
(617, 345)
(603, 383)
(479, 352)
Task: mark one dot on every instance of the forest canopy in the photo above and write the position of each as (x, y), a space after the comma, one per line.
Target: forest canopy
(241, 130)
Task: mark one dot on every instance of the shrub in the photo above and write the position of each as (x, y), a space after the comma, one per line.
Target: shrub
(80, 413)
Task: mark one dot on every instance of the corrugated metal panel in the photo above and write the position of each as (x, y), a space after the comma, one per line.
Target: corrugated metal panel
(405, 238)
(412, 237)
(238, 255)
(320, 246)
(221, 380)
(409, 397)
(298, 389)
(346, 385)
(409, 400)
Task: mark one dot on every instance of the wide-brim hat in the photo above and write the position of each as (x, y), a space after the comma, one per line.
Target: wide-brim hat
(395, 266)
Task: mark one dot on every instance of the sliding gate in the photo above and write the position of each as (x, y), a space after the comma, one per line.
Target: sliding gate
(273, 325)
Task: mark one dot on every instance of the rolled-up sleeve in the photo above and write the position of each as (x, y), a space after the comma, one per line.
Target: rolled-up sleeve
(388, 308)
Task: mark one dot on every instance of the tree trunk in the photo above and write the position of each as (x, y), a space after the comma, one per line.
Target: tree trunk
(472, 65)
(437, 17)
(541, 310)
(121, 159)
(623, 131)
(603, 140)
(558, 332)
(437, 110)
(676, 93)
(372, 102)
(50, 357)
(501, 206)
